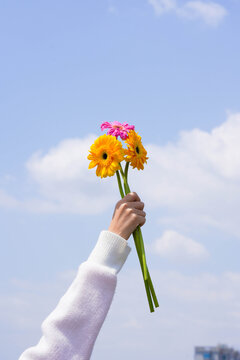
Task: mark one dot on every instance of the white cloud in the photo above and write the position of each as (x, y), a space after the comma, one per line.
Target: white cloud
(197, 179)
(132, 323)
(175, 246)
(62, 182)
(210, 12)
(162, 6)
(65, 182)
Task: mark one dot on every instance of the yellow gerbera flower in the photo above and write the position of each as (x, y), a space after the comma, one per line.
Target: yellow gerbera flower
(135, 153)
(106, 153)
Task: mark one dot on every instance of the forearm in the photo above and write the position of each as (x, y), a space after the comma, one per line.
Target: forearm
(70, 331)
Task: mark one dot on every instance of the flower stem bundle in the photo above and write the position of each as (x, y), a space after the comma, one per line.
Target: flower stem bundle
(107, 153)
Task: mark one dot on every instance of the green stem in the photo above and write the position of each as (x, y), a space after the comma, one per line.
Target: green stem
(126, 170)
(123, 176)
(125, 184)
(142, 252)
(121, 171)
(152, 291)
(146, 283)
(150, 280)
(120, 184)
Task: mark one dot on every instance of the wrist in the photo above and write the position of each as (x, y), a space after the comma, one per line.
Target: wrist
(118, 232)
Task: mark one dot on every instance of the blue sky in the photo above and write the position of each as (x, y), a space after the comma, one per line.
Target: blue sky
(171, 68)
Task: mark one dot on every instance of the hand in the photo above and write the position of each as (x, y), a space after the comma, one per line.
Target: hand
(128, 214)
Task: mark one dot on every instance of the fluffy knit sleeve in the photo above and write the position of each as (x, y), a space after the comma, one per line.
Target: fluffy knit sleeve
(70, 331)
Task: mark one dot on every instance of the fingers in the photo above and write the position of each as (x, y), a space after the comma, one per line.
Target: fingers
(137, 216)
(136, 205)
(139, 212)
(131, 197)
(130, 201)
(129, 211)
(141, 217)
(142, 222)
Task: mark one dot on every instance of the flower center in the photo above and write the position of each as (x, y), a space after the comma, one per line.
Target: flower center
(118, 127)
(104, 156)
(137, 149)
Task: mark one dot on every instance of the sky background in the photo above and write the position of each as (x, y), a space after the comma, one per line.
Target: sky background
(171, 68)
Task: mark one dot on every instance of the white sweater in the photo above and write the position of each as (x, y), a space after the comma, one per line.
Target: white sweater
(70, 331)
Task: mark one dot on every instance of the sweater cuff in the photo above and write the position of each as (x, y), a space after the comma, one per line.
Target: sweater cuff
(111, 250)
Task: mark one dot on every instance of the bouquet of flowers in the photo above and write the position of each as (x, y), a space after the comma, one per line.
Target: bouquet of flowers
(107, 153)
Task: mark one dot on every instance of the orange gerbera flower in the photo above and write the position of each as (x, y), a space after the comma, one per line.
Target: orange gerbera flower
(136, 154)
(106, 153)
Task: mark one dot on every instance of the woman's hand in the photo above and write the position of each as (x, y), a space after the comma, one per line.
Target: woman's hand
(128, 214)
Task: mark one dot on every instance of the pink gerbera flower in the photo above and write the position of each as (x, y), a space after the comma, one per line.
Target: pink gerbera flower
(117, 129)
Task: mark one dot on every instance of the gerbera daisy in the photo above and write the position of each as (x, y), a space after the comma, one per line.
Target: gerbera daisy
(117, 129)
(135, 153)
(106, 153)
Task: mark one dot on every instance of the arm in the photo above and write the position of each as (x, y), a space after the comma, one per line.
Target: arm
(70, 331)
